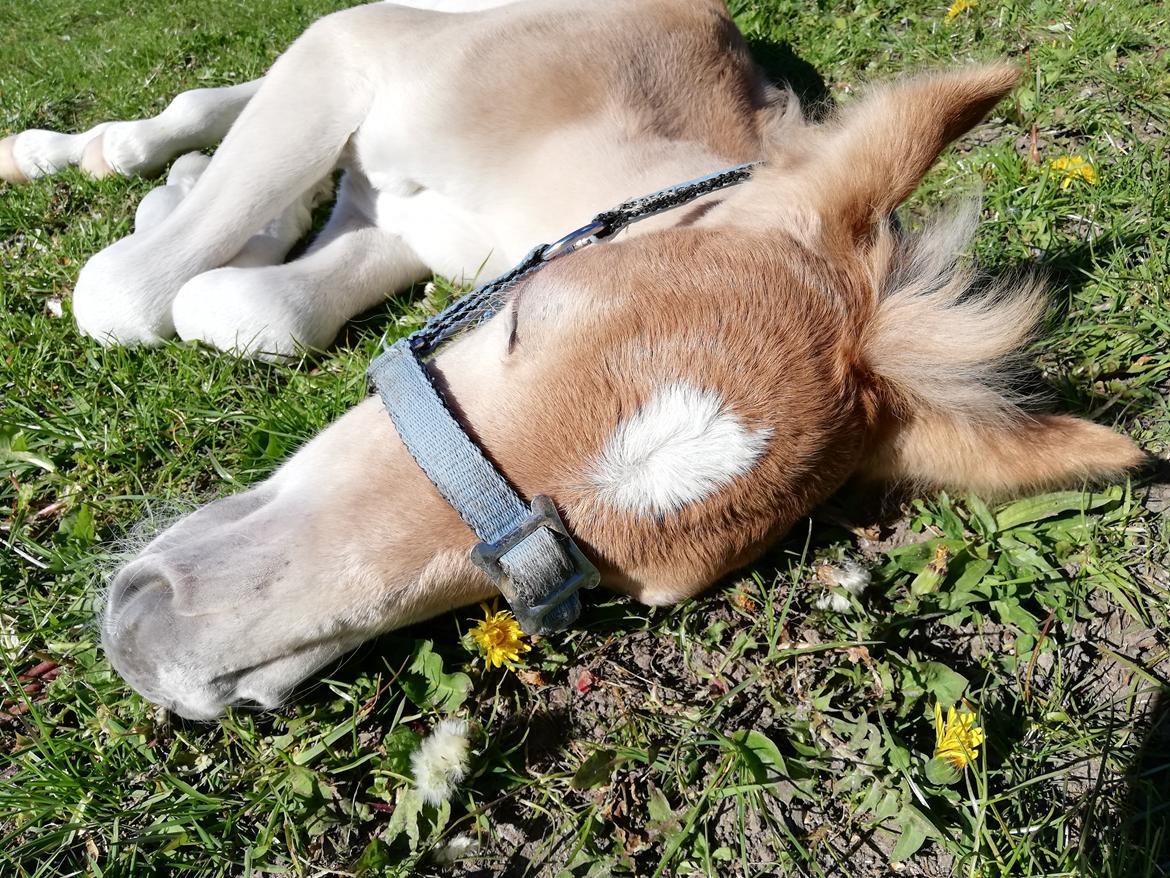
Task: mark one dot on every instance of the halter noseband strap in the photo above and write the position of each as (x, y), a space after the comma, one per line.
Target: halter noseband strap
(525, 550)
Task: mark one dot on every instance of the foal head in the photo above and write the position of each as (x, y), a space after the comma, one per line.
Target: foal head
(684, 397)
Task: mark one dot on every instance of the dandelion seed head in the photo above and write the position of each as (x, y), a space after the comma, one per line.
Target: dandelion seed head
(440, 762)
(456, 849)
(850, 576)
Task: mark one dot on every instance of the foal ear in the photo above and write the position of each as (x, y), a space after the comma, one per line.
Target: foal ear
(882, 147)
(1022, 453)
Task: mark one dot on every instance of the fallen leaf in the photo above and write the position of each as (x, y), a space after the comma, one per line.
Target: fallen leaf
(531, 677)
(857, 654)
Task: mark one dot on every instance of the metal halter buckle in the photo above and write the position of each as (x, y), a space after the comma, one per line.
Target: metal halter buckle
(575, 240)
(486, 556)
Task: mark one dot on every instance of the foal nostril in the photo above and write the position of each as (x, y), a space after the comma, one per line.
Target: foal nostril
(131, 581)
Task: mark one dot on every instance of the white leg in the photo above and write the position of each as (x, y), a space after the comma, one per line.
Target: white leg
(38, 153)
(271, 244)
(278, 310)
(267, 247)
(161, 201)
(289, 137)
(453, 5)
(194, 120)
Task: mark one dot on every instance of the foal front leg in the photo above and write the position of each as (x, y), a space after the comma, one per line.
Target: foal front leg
(289, 136)
(278, 310)
(194, 120)
(269, 246)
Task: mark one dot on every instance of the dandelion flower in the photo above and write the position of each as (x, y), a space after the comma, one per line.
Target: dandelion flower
(957, 739)
(499, 638)
(959, 7)
(1074, 167)
(440, 762)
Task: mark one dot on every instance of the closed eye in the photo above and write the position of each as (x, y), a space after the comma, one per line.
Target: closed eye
(514, 321)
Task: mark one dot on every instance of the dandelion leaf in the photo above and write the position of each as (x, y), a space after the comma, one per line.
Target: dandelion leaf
(429, 686)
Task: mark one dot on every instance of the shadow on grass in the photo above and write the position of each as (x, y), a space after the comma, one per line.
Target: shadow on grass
(1066, 271)
(783, 66)
(1133, 840)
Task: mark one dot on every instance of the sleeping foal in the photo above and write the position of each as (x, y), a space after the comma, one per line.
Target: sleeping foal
(684, 394)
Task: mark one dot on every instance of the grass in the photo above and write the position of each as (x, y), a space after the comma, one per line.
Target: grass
(743, 733)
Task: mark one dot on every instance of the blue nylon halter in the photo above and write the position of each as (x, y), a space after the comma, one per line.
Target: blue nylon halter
(525, 550)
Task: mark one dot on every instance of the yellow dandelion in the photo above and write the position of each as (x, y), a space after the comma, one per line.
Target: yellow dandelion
(499, 638)
(959, 7)
(957, 739)
(1073, 167)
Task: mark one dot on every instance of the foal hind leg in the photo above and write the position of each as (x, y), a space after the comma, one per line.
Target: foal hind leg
(195, 119)
(38, 153)
(290, 136)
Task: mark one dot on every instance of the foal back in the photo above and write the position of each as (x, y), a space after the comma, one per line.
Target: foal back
(674, 70)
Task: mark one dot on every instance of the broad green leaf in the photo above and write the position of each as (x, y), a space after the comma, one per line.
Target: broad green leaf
(1032, 509)
(915, 832)
(302, 781)
(176, 841)
(427, 685)
(407, 808)
(872, 797)
(79, 525)
(887, 807)
(10, 460)
(596, 770)
(1011, 613)
(947, 520)
(657, 806)
(981, 516)
(375, 859)
(399, 745)
(15, 453)
(899, 757)
(973, 572)
(1024, 557)
(945, 685)
(761, 755)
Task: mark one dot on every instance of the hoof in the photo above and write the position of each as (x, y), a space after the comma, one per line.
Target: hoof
(93, 159)
(9, 170)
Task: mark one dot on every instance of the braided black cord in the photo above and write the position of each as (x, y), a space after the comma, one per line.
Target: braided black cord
(482, 302)
(646, 206)
(473, 308)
